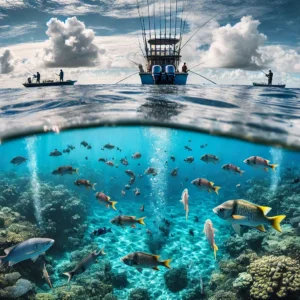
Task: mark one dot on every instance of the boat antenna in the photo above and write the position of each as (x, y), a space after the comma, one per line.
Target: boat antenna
(126, 77)
(165, 13)
(203, 77)
(199, 30)
(176, 19)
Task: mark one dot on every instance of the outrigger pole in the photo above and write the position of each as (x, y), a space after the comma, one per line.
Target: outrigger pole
(126, 77)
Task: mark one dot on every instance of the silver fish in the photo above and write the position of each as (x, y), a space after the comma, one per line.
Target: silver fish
(47, 277)
(29, 249)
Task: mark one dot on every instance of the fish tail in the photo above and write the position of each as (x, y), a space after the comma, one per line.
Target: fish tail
(102, 253)
(215, 250)
(113, 203)
(187, 214)
(241, 172)
(76, 171)
(93, 186)
(70, 275)
(273, 166)
(216, 189)
(2, 260)
(166, 263)
(141, 221)
(275, 221)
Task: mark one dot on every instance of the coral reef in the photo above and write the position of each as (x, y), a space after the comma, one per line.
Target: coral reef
(139, 294)
(20, 288)
(176, 279)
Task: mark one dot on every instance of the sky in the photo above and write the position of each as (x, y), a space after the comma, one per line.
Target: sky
(100, 41)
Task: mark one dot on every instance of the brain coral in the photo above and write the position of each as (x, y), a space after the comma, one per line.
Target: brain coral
(275, 277)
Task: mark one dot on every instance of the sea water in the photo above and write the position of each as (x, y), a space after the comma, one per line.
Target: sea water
(36, 203)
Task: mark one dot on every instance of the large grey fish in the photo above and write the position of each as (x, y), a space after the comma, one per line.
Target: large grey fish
(241, 212)
(84, 264)
(65, 170)
(141, 260)
(29, 249)
(55, 153)
(18, 160)
(109, 146)
(47, 277)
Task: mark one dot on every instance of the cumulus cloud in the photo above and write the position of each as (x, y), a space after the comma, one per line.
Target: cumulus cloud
(71, 44)
(6, 62)
(236, 46)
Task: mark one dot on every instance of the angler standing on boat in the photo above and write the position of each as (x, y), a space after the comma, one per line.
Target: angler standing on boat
(270, 77)
(38, 77)
(61, 76)
(184, 68)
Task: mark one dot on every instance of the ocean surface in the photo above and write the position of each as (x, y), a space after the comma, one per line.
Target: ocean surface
(97, 131)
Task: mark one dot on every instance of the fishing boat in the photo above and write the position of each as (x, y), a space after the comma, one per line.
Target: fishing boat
(162, 39)
(269, 85)
(49, 83)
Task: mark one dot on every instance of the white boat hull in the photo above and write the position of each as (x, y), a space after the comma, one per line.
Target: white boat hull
(180, 79)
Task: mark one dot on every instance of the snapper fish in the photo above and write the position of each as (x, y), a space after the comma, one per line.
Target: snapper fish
(86, 183)
(18, 160)
(136, 155)
(29, 249)
(84, 264)
(185, 201)
(259, 162)
(47, 277)
(205, 185)
(209, 232)
(103, 199)
(127, 221)
(55, 153)
(63, 170)
(232, 169)
(141, 260)
(209, 158)
(242, 212)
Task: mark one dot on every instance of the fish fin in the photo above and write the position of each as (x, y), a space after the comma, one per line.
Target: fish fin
(273, 166)
(267, 161)
(93, 186)
(155, 268)
(266, 169)
(76, 171)
(102, 253)
(238, 217)
(166, 263)
(139, 269)
(215, 250)
(264, 209)
(216, 189)
(237, 228)
(34, 258)
(113, 203)
(133, 226)
(70, 275)
(260, 228)
(9, 249)
(181, 201)
(141, 221)
(108, 198)
(212, 183)
(275, 221)
(133, 217)
(156, 257)
(241, 172)
(215, 230)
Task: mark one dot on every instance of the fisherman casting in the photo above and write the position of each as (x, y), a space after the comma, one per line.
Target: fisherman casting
(270, 77)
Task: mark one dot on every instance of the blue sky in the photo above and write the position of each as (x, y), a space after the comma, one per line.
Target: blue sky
(115, 25)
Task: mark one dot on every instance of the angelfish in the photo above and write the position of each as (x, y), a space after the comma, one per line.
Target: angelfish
(242, 212)
(47, 277)
(84, 264)
(259, 162)
(141, 260)
(29, 249)
(209, 232)
(185, 201)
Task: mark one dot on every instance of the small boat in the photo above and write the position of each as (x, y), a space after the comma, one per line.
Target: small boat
(269, 85)
(49, 83)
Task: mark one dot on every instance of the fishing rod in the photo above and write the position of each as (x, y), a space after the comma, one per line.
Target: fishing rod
(199, 29)
(130, 60)
(29, 70)
(203, 77)
(204, 62)
(262, 71)
(126, 77)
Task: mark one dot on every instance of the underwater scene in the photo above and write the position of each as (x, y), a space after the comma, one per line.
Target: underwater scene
(140, 212)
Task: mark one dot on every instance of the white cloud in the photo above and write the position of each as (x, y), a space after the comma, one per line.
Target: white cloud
(6, 62)
(236, 46)
(71, 44)
(7, 31)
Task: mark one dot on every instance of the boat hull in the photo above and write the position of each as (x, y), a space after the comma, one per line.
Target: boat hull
(269, 85)
(180, 79)
(58, 83)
